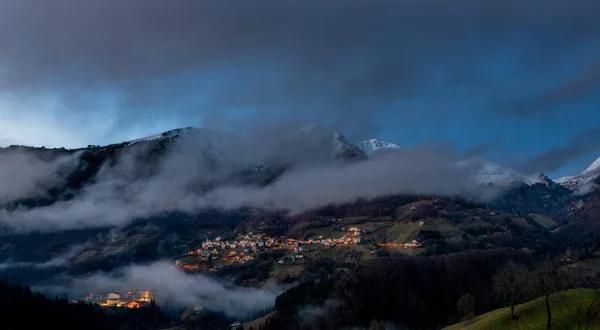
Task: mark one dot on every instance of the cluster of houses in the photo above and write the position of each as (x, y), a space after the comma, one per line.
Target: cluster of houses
(353, 237)
(249, 240)
(239, 250)
(245, 246)
(131, 299)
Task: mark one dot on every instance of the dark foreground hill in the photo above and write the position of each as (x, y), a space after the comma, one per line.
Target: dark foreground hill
(574, 309)
(412, 292)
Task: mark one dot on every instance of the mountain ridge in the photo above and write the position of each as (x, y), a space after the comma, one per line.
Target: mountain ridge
(241, 162)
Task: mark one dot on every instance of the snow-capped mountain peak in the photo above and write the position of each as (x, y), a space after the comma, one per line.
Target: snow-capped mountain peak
(372, 145)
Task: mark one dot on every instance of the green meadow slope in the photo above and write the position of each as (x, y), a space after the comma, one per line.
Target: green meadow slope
(571, 309)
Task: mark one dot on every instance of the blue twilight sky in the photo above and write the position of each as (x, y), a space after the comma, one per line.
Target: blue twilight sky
(517, 82)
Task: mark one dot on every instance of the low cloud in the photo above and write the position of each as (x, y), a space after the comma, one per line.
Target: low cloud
(24, 175)
(121, 194)
(173, 288)
(586, 189)
(418, 171)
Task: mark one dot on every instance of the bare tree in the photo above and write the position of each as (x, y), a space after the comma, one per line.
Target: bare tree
(510, 283)
(548, 279)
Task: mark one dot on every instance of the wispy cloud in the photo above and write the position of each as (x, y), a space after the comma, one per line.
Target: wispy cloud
(25, 174)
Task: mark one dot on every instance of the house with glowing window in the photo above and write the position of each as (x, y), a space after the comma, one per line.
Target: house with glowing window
(133, 304)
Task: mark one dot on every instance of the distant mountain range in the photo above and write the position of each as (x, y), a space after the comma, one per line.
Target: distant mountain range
(310, 143)
(318, 142)
(261, 161)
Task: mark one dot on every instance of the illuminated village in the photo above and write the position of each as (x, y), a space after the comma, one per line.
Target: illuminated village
(245, 247)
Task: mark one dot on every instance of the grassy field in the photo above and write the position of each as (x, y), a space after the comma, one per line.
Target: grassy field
(280, 272)
(326, 232)
(402, 232)
(568, 312)
(337, 252)
(546, 222)
(441, 224)
(255, 324)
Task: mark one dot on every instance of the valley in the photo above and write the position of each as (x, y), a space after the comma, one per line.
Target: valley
(185, 198)
(299, 165)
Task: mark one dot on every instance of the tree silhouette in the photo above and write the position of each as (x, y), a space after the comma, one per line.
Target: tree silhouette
(465, 306)
(548, 279)
(510, 283)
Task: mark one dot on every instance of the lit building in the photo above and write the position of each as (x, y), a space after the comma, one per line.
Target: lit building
(113, 299)
(144, 296)
(133, 304)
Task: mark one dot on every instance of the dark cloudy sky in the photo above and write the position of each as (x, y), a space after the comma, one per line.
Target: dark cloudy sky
(519, 80)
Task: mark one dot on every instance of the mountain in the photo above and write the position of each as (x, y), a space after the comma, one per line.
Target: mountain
(580, 182)
(213, 158)
(371, 146)
(543, 197)
(207, 146)
(520, 193)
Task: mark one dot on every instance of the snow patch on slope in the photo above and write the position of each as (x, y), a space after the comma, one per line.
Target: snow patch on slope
(371, 146)
(488, 172)
(161, 136)
(582, 181)
(342, 148)
(573, 181)
(594, 168)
